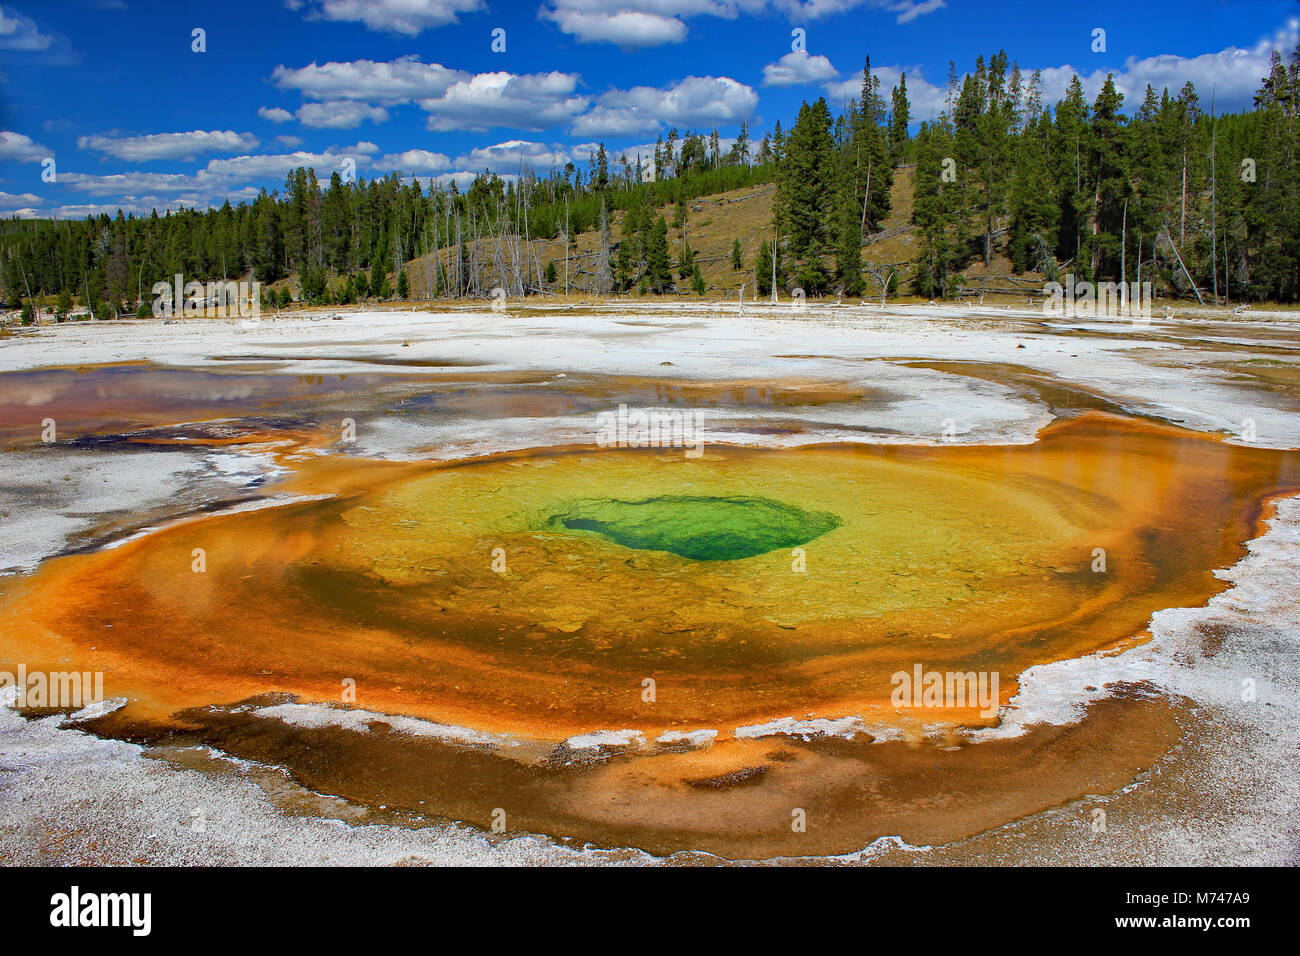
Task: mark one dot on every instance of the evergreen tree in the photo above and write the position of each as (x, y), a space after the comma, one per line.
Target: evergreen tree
(685, 261)
(848, 241)
(679, 214)
(873, 165)
(626, 262)
(1033, 203)
(14, 287)
(311, 286)
(737, 256)
(763, 268)
(1069, 172)
(900, 115)
(659, 266)
(1268, 244)
(1107, 164)
(936, 214)
(807, 185)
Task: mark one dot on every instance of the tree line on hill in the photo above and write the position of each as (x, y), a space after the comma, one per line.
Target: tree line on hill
(343, 240)
(1202, 204)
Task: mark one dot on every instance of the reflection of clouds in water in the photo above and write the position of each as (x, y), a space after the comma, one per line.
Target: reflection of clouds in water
(179, 392)
(37, 396)
(110, 388)
(224, 394)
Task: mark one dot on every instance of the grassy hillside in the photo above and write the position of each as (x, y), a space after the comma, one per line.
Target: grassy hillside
(715, 222)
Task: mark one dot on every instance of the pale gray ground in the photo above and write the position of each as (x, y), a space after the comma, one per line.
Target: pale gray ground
(51, 496)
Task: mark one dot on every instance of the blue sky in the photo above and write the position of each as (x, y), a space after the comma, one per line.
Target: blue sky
(134, 118)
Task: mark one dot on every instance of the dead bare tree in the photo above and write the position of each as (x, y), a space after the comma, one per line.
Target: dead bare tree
(1184, 267)
(882, 277)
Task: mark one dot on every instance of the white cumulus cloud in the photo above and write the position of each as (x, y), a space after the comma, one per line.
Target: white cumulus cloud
(634, 24)
(372, 81)
(344, 114)
(15, 201)
(526, 102)
(415, 160)
(798, 68)
(629, 29)
(154, 146)
(1231, 76)
(694, 101)
(20, 148)
(20, 33)
(218, 180)
(403, 17)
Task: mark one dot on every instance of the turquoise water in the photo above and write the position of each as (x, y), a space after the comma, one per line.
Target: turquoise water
(699, 528)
